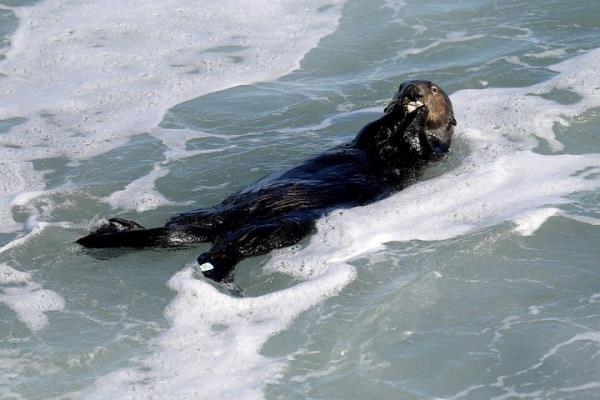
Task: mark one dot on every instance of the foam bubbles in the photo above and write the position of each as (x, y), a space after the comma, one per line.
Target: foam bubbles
(462, 201)
(84, 76)
(530, 222)
(452, 37)
(31, 303)
(141, 194)
(212, 348)
(11, 275)
(89, 73)
(26, 298)
(18, 179)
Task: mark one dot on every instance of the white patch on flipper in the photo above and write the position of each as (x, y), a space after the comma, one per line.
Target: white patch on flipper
(206, 267)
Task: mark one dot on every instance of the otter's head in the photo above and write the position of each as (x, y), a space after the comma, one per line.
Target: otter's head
(426, 96)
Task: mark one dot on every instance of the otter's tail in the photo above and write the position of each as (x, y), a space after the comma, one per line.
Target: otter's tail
(122, 233)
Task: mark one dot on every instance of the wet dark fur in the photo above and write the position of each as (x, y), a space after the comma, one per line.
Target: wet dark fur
(281, 209)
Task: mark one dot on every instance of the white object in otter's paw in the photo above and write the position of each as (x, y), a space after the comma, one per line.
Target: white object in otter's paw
(206, 267)
(413, 105)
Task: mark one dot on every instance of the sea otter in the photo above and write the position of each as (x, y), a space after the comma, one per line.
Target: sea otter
(280, 209)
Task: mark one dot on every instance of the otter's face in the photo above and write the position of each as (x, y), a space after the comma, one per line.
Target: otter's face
(412, 95)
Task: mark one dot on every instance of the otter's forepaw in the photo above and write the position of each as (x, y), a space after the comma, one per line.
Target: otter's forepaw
(412, 106)
(421, 115)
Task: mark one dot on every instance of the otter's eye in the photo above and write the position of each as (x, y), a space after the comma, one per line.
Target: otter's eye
(434, 89)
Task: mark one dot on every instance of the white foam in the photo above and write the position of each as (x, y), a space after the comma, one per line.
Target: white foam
(88, 75)
(212, 348)
(35, 230)
(105, 72)
(175, 140)
(17, 179)
(585, 386)
(554, 53)
(11, 275)
(534, 310)
(20, 293)
(397, 6)
(516, 60)
(589, 336)
(529, 222)
(141, 194)
(452, 37)
(467, 199)
(27, 299)
(31, 303)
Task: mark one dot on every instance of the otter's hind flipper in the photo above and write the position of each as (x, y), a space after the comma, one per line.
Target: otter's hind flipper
(122, 233)
(118, 225)
(253, 240)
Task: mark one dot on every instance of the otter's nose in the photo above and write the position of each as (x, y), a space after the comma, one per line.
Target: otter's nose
(413, 92)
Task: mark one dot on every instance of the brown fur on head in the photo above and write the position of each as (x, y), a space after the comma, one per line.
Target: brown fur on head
(440, 118)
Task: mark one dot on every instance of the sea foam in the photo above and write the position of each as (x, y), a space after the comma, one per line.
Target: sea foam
(83, 77)
(27, 298)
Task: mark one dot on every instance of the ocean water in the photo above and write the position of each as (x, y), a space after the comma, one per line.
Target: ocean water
(481, 281)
